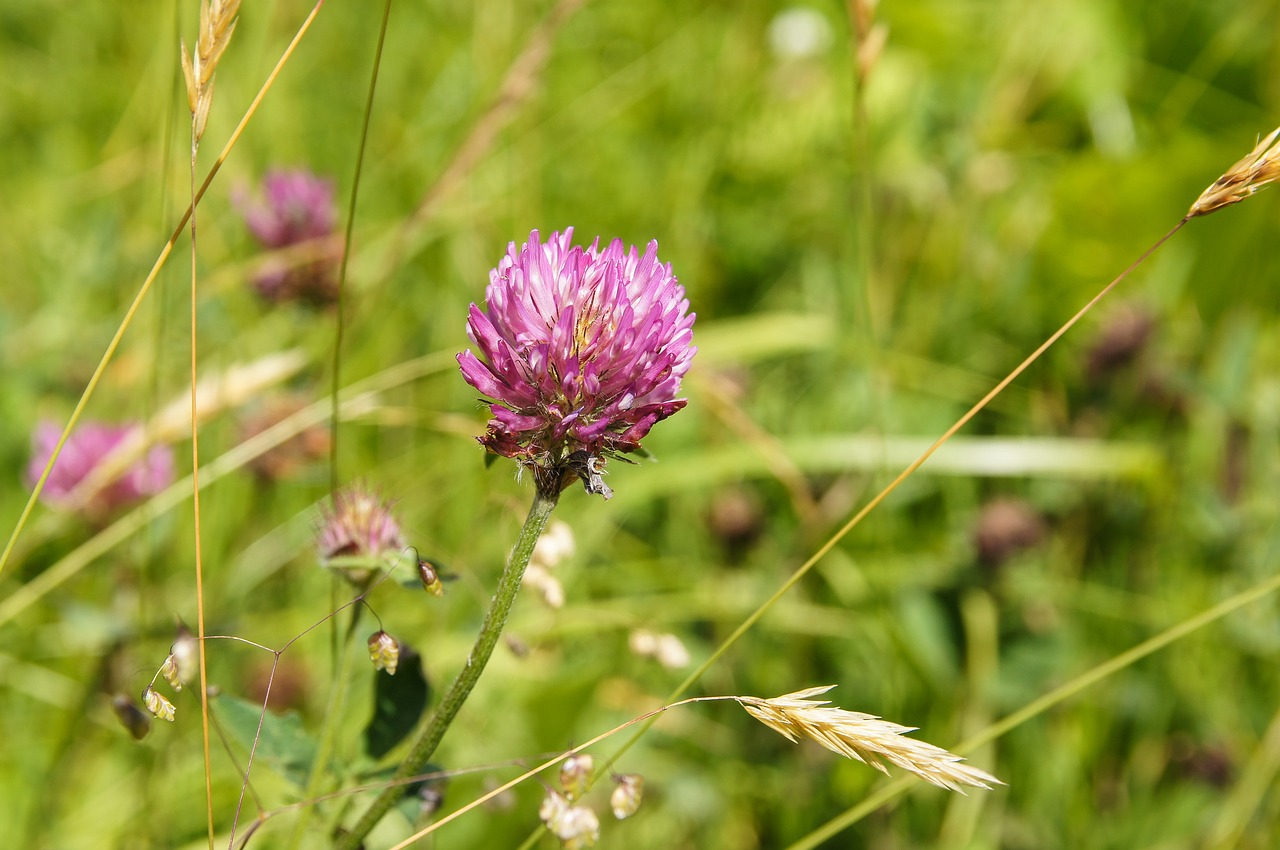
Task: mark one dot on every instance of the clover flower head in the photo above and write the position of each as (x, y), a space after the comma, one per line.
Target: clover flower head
(359, 526)
(85, 450)
(582, 351)
(295, 207)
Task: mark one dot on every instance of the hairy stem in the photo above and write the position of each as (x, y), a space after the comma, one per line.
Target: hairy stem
(460, 689)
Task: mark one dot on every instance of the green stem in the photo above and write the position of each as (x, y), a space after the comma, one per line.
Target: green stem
(494, 620)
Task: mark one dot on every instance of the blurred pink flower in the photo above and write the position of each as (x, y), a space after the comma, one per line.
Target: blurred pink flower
(583, 352)
(87, 447)
(296, 207)
(359, 526)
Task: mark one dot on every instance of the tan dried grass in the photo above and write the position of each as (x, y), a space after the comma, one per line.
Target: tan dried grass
(864, 737)
(1256, 171)
(217, 23)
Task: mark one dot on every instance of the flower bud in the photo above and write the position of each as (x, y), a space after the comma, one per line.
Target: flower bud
(575, 774)
(358, 533)
(626, 796)
(384, 652)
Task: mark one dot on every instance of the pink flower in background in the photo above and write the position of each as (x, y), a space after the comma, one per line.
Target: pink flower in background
(360, 526)
(582, 351)
(296, 207)
(87, 447)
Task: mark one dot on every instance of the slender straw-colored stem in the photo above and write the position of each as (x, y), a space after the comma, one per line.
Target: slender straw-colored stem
(195, 502)
(460, 689)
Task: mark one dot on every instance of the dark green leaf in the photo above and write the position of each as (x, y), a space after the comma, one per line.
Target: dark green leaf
(285, 746)
(398, 704)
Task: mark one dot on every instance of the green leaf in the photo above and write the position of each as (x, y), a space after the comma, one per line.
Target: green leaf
(399, 702)
(285, 746)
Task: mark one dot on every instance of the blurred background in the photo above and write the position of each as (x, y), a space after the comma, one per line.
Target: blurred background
(874, 223)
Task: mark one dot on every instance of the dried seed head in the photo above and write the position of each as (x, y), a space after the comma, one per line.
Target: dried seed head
(185, 653)
(217, 23)
(575, 774)
(157, 704)
(575, 826)
(431, 582)
(169, 670)
(1256, 171)
(384, 652)
(666, 649)
(671, 652)
(137, 721)
(625, 799)
(548, 586)
(864, 737)
(431, 798)
(554, 545)
(553, 806)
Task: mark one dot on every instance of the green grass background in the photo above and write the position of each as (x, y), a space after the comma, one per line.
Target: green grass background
(857, 283)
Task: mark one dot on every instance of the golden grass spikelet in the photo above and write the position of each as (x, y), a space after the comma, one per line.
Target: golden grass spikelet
(1257, 170)
(217, 23)
(864, 737)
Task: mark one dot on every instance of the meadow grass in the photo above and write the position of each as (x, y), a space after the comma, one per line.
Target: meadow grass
(862, 275)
